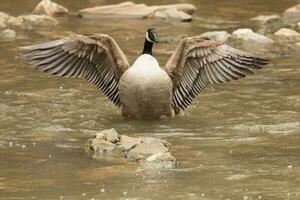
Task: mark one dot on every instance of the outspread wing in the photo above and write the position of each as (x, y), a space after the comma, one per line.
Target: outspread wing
(96, 58)
(198, 62)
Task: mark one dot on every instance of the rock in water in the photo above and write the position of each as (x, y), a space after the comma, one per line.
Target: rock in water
(98, 145)
(154, 153)
(130, 10)
(172, 13)
(286, 35)
(125, 10)
(147, 147)
(126, 143)
(292, 15)
(3, 18)
(32, 20)
(268, 23)
(158, 161)
(286, 32)
(247, 39)
(8, 34)
(47, 7)
(216, 35)
(110, 135)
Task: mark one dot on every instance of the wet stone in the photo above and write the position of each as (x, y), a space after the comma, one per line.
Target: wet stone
(268, 23)
(130, 10)
(3, 18)
(172, 13)
(32, 20)
(147, 147)
(286, 34)
(111, 135)
(47, 7)
(8, 34)
(158, 161)
(247, 39)
(216, 35)
(126, 143)
(153, 152)
(97, 145)
(292, 15)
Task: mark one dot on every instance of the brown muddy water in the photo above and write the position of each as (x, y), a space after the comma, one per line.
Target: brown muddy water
(239, 140)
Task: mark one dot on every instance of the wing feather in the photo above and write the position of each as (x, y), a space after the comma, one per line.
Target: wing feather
(198, 62)
(97, 58)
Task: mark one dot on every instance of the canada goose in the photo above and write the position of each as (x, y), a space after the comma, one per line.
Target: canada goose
(144, 89)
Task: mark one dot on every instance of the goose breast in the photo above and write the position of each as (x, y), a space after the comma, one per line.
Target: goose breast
(145, 89)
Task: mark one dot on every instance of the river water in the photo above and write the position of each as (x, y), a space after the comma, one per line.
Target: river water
(239, 140)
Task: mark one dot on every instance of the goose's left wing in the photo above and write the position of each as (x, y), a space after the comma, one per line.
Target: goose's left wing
(198, 62)
(96, 58)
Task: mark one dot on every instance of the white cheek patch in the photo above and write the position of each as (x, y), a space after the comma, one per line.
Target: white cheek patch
(147, 37)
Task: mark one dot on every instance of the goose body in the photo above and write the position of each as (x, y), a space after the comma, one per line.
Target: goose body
(144, 89)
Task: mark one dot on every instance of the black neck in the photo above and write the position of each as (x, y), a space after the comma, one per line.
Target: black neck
(147, 47)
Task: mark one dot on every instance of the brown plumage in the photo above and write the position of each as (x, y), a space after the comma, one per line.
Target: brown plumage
(198, 62)
(195, 64)
(97, 58)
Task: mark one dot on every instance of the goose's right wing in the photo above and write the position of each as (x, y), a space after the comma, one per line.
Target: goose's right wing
(197, 63)
(97, 58)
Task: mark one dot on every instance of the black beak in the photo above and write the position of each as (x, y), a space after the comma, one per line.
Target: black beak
(156, 39)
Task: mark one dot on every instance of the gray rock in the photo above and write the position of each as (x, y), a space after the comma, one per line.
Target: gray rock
(292, 15)
(130, 10)
(126, 143)
(158, 161)
(2, 24)
(268, 23)
(183, 7)
(3, 18)
(98, 145)
(286, 32)
(47, 7)
(14, 21)
(216, 35)
(287, 35)
(247, 39)
(8, 34)
(147, 147)
(32, 20)
(298, 26)
(111, 135)
(172, 13)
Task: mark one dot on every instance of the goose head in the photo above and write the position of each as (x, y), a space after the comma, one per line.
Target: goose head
(151, 35)
(150, 38)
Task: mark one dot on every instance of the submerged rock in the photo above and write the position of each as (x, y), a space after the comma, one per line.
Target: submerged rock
(130, 10)
(152, 152)
(147, 147)
(216, 35)
(99, 145)
(158, 161)
(47, 7)
(268, 23)
(126, 143)
(8, 34)
(292, 15)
